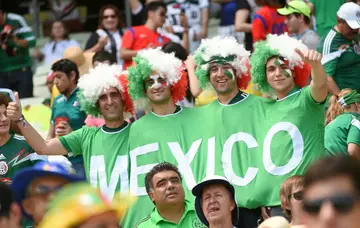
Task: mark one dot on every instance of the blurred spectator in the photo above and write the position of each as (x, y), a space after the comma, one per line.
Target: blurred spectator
(354, 1)
(324, 14)
(298, 20)
(138, 10)
(64, 9)
(16, 38)
(33, 187)
(267, 20)
(291, 195)
(216, 194)
(276, 222)
(15, 152)
(108, 37)
(342, 131)
(66, 113)
(103, 57)
(245, 12)
(341, 51)
(331, 193)
(84, 206)
(227, 20)
(146, 36)
(10, 212)
(59, 42)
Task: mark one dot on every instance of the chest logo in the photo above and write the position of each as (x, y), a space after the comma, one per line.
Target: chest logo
(3, 168)
(357, 49)
(2, 157)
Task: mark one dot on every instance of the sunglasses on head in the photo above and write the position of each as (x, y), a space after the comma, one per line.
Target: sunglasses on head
(341, 203)
(297, 195)
(109, 16)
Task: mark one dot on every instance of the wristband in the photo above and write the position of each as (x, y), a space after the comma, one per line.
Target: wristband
(22, 119)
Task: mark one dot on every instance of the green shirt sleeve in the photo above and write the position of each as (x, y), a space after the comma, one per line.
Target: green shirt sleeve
(354, 132)
(309, 100)
(25, 32)
(330, 67)
(73, 141)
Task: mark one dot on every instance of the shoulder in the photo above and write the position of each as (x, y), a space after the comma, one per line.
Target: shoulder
(143, 222)
(16, 17)
(20, 140)
(329, 42)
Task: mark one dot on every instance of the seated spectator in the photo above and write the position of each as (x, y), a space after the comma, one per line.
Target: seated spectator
(109, 36)
(146, 36)
(342, 131)
(215, 202)
(64, 9)
(10, 212)
(341, 51)
(103, 57)
(59, 42)
(163, 185)
(33, 187)
(331, 193)
(82, 206)
(291, 195)
(298, 19)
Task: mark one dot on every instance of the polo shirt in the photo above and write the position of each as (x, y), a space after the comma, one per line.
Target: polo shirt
(189, 219)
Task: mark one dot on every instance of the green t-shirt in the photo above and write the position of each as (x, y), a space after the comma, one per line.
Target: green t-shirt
(325, 14)
(69, 108)
(344, 68)
(105, 153)
(22, 31)
(344, 129)
(16, 154)
(189, 219)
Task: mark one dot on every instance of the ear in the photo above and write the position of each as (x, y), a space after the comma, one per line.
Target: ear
(233, 205)
(15, 212)
(152, 196)
(27, 204)
(72, 76)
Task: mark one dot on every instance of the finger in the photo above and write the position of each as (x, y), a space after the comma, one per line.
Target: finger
(17, 100)
(300, 53)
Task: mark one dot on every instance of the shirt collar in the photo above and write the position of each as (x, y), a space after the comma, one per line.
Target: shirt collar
(239, 97)
(157, 218)
(73, 93)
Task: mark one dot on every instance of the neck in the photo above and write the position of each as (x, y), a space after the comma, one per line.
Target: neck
(226, 98)
(164, 109)
(112, 30)
(58, 39)
(150, 25)
(302, 29)
(115, 123)
(295, 221)
(69, 91)
(222, 224)
(4, 138)
(173, 212)
(284, 93)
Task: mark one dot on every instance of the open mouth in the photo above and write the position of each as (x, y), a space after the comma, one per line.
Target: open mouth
(221, 81)
(213, 210)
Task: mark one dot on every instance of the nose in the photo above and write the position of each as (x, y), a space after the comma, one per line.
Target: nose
(109, 100)
(2, 117)
(278, 71)
(327, 214)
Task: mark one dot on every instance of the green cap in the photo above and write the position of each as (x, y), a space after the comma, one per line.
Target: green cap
(295, 6)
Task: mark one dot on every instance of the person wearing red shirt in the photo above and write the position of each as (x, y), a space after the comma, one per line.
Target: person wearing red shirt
(267, 20)
(145, 36)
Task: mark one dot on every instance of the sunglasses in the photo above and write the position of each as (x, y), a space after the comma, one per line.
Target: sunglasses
(343, 203)
(297, 195)
(109, 16)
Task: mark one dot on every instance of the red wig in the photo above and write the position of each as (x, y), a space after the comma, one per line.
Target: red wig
(244, 79)
(128, 104)
(178, 90)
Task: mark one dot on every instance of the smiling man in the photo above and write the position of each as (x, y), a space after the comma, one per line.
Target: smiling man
(164, 187)
(102, 92)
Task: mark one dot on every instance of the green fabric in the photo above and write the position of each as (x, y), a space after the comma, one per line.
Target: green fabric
(16, 154)
(22, 58)
(105, 156)
(340, 132)
(349, 98)
(344, 69)
(325, 14)
(189, 219)
(223, 140)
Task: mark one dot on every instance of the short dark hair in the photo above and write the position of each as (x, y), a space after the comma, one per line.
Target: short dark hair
(66, 66)
(153, 6)
(307, 20)
(164, 166)
(334, 166)
(102, 56)
(180, 51)
(4, 99)
(6, 199)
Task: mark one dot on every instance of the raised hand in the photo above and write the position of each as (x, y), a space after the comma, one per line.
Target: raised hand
(13, 110)
(313, 58)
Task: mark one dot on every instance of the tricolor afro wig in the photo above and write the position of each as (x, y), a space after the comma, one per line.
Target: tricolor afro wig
(166, 64)
(278, 46)
(222, 50)
(96, 81)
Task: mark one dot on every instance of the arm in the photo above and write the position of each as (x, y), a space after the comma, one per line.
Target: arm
(240, 21)
(354, 150)
(258, 28)
(204, 22)
(193, 81)
(24, 36)
(126, 45)
(50, 147)
(332, 86)
(51, 133)
(185, 35)
(127, 54)
(135, 5)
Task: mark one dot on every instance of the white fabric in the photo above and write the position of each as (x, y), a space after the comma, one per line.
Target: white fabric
(51, 56)
(117, 38)
(350, 12)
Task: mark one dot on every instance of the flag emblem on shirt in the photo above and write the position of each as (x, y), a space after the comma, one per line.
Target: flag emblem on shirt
(3, 168)
(76, 103)
(2, 157)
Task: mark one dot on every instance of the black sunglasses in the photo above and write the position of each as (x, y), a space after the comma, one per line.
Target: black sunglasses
(297, 195)
(341, 203)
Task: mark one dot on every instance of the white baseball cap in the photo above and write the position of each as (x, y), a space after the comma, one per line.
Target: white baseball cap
(350, 12)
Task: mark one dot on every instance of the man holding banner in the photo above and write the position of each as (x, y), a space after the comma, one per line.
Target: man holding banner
(281, 65)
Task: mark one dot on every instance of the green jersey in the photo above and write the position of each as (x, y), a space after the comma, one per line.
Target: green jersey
(325, 14)
(105, 153)
(189, 219)
(22, 31)
(69, 108)
(344, 129)
(16, 154)
(343, 66)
